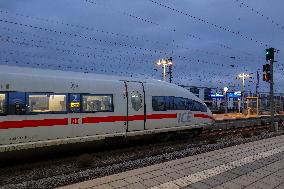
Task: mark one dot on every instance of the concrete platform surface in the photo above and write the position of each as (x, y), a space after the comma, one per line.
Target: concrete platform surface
(255, 165)
(234, 116)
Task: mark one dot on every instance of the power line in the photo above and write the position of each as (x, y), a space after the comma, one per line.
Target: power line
(92, 29)
(208, 23)
(139, 18)
(174, 30)
(119, 44)
(87, 28)
(269, 19)
(83, 37)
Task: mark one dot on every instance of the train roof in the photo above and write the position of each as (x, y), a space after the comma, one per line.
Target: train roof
(60, 74)
(49, 73)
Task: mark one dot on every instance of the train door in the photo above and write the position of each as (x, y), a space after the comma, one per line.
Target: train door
(135, 106)
(17, 103)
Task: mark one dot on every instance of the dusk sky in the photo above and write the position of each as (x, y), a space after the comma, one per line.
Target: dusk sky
(210, 41)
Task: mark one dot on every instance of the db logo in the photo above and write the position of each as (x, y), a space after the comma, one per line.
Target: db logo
(74, 121)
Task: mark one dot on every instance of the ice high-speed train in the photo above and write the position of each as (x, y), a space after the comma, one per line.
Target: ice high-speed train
(41, 108)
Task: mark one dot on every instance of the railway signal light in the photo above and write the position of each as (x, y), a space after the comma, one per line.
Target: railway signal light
(269, 54)
(266, 73)
(266, 77)
(266, 68)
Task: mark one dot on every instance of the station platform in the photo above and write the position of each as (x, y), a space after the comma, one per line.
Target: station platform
(255, 165)
(232, 116)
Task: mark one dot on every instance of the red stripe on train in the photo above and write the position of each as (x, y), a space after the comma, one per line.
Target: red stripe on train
(203, 116)
(124, 118)
(161, 116)
(33, 123)
(103, 119)
(86, 120)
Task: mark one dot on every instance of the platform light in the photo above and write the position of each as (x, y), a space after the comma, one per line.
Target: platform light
(226, 100)
(243, 76)
(165, 63)
(226, 89)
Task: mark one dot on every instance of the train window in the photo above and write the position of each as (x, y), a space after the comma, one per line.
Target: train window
(180, 103)
(17, 103)
(3, 103)
(169, 102)
(75, 103)
(190, 104)
(97, 103)
(203, 108)
(44, 103)
(136, 100)
(196, 106)
(158, 103)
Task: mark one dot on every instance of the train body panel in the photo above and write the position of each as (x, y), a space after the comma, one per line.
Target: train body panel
(183, 117)
(47, 107)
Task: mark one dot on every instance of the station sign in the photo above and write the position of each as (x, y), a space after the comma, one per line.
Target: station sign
(217, 95)
(237, 94)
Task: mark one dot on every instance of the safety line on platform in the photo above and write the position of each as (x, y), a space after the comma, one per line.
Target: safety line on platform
(205, 174)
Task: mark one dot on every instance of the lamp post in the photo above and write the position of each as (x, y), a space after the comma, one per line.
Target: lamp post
(243, 76)
(165, 63)
(226, 100)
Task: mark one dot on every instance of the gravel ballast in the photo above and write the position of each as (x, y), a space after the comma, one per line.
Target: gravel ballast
(64, 171)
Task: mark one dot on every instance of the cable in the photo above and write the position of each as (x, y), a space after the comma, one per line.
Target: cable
(82, 37)
(139, 18)
(270, 20)
(87, 28)
(208, 23)
(92, 29)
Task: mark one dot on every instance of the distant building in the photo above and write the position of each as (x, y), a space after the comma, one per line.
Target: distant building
(217, 102)
(215, 99)
(264, 101)
(201, 92)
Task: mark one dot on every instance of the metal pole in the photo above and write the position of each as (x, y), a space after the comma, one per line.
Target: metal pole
(170, 72)
(239, 104)
(226, 103)
(257, 111)
(243, 90)
(165, 71)
(257, 83)
(271, 94)
(170, 60)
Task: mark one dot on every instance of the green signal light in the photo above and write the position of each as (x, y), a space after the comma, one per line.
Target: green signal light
(269, 54)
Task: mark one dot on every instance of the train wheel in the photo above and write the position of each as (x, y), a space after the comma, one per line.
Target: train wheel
(196, 132)
(163, 137)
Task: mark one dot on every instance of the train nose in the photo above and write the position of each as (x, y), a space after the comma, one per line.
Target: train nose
(211, 115)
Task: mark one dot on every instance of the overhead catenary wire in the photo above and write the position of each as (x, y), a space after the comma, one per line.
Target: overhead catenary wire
(193, 36)
(227, 29)
(92, 29)
(259, 13)
(85, 47)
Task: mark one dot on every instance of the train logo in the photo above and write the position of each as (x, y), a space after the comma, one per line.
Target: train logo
(74, 121)
(184, 117)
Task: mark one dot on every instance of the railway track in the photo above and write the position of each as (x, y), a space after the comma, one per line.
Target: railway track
(61, 171)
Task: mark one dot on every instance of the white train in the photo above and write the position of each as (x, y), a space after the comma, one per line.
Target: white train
(40, 108)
